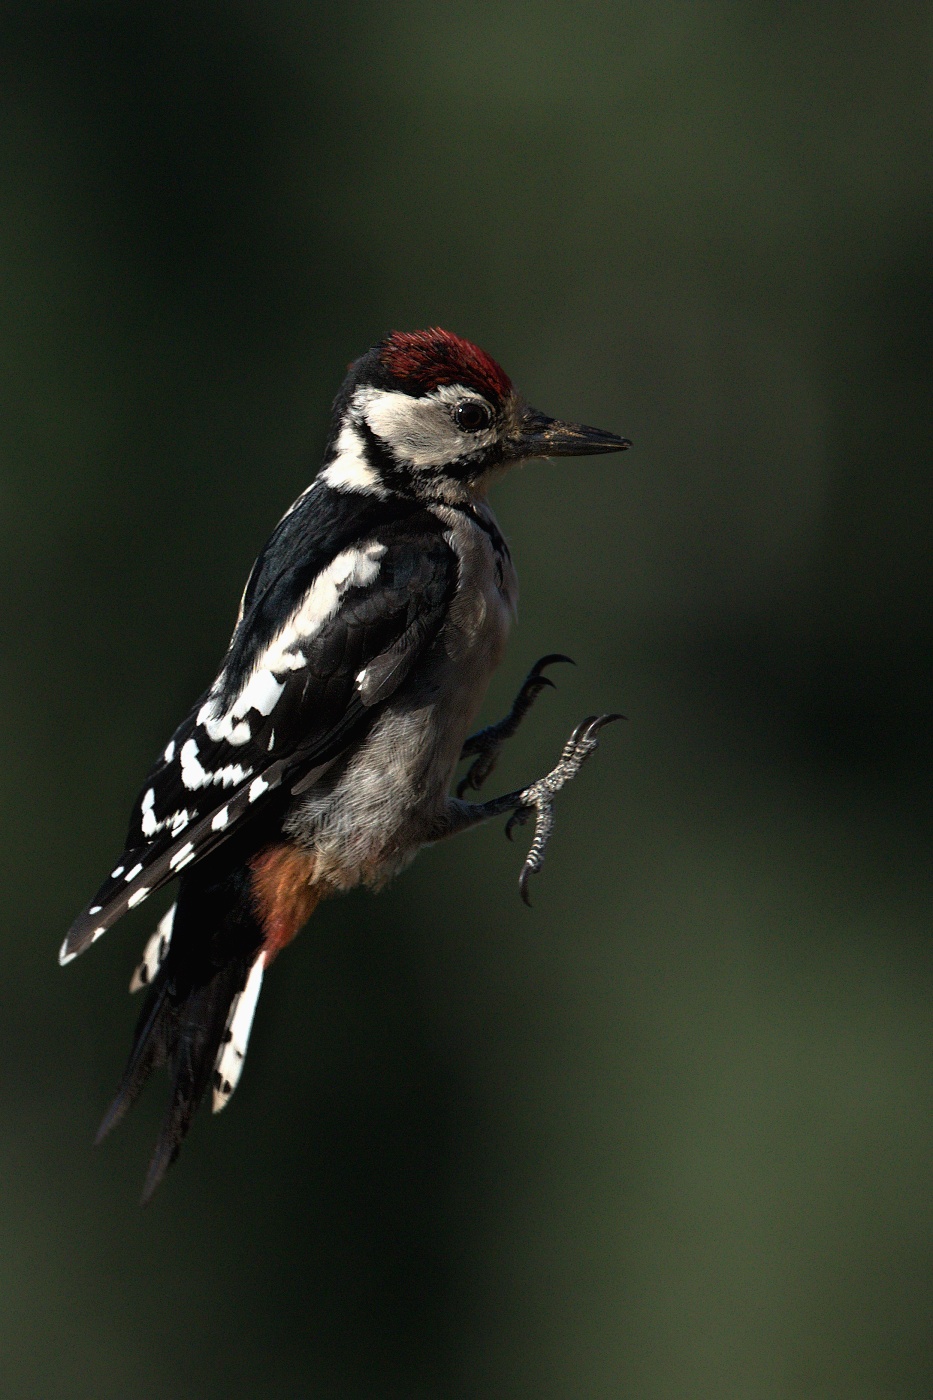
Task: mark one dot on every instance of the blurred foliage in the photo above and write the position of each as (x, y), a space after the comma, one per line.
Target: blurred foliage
(671, 1134)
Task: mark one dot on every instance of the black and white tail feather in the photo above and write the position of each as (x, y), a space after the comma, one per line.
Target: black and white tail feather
(198, 1011)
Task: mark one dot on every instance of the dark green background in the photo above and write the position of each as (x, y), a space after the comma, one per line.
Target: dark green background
(670, 1135)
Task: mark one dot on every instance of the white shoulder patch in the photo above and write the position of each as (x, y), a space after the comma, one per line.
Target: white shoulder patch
(232, 1053)
(154, 952)
(350, 471)
(353, 568)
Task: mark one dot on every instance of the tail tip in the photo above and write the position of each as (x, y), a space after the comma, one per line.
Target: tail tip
(77, 939)
(165, 1154)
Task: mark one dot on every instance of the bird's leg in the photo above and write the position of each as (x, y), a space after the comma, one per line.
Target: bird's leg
(487, 743)
(537, 798)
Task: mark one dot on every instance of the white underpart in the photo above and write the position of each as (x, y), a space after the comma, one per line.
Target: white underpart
(194, 775)
(154, 952)
(353, 568)
(151, 826)
(232, 1053)
(349, 470)
(421, 432)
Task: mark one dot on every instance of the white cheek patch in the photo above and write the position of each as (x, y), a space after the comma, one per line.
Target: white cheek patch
(422, 432)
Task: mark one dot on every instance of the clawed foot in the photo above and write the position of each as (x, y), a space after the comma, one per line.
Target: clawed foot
(487, 744)
(539, 797)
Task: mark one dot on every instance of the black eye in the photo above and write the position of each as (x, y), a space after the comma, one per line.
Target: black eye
(470, 417)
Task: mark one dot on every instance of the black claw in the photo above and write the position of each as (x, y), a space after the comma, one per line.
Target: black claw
(551, 660)
(597, 723)
(518, 818)
(467, 781)
(581, 729)
(523, 885)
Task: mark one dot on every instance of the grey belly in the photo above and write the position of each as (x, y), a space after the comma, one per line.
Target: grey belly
(370, 814)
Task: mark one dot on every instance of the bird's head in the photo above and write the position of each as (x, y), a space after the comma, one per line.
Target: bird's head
(428, 414)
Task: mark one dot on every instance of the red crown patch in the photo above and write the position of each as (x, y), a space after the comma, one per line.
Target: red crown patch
(434, 357)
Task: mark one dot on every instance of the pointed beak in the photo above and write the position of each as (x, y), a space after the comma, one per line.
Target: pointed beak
(540, 436)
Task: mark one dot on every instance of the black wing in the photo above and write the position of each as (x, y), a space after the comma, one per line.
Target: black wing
(300, 681)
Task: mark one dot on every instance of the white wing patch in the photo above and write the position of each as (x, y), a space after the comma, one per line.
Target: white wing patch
(232, 1053)
(353, 568)
(261, 692)
(154, 952)
(194, 775)
(149, 824)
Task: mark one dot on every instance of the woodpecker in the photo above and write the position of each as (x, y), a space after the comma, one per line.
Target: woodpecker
(323, 755)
